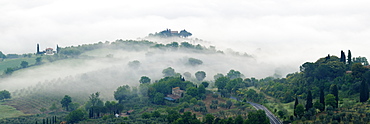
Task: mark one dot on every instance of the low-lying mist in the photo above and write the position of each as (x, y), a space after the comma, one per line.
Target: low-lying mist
(104, 70)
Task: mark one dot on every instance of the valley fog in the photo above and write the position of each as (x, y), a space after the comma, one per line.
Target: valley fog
(103, 70)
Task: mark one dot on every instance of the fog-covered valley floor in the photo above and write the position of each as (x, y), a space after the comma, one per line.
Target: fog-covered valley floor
(103, 70)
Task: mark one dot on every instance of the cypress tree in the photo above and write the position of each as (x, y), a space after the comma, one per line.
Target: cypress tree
(309, 103)
(38, 49)
(322, 98)
(342, 57)
(334, 91)
(295, 104)
(349, 57)
(364, 92)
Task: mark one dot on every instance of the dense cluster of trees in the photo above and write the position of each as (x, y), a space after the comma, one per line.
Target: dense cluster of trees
(328, 80)
(168, 33)
(5, 95)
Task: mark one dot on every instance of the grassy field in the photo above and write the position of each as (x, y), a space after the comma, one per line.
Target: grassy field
(12, 63)
(8, 111)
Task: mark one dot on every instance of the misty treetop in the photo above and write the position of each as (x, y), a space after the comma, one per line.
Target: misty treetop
(169, 33)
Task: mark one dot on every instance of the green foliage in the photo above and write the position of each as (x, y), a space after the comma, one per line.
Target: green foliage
(281, 113)
(257, 117)
(218, 75)
(299, 110)
(192, 91)
(184, 33)
(330, 100)
(232, 74)
(201, 89)
(173, 44)
(205, 84)
(221, 82)
(342, 57)
(158, 98)
(187, 45)
(200, 75)
(168, 33)
(53, 107)
(309, 103)
(364, 92)
(319, 106)
(9, 71)
(145, 115)
(295, 105)
(24, 64)
(238, 120)
(2, 55)
(65, 102)
(38, 61)
(361, 60)
(251, 95)
(209, 119)
(349, 57)
(94, 99)
(73, 51)
(322, 99)
(358, 70)
(156, 114)
(144, 79)
(122, 93)
(43, 109)
(229, 104)
(76, 116)
(335, 92)
(5, 95)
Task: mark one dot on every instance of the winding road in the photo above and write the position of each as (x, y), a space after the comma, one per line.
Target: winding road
(273, 119)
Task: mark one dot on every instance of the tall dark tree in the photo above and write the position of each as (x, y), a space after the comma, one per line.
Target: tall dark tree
(309, 103)
(334, 91)
(349, 57)
(58, 49)
(295, 104)
(66, 101)
(322, 98)
(38, 49)
(364, 92)
(342, 57)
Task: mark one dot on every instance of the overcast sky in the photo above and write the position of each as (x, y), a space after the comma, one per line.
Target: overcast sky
(293, 30)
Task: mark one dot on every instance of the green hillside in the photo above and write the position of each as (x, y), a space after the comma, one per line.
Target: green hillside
(15, 63)
(8, 111)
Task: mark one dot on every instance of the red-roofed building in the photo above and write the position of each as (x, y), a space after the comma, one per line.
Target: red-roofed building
(49, 51)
